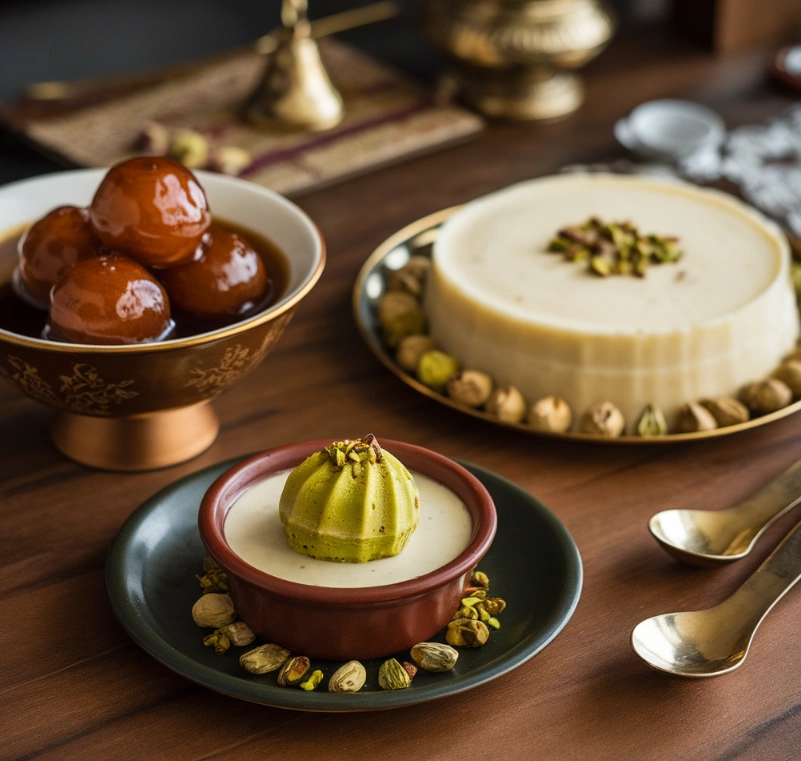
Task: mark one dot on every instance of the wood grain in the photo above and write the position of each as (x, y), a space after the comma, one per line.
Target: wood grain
(75, 687)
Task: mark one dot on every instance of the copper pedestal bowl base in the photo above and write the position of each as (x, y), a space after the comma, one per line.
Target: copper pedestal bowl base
(136, 442)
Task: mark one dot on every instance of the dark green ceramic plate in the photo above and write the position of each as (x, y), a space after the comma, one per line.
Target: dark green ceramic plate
(150, 576)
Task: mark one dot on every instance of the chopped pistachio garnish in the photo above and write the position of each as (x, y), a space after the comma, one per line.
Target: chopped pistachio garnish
(614, 248)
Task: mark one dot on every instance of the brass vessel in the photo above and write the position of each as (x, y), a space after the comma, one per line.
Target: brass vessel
(514, 59)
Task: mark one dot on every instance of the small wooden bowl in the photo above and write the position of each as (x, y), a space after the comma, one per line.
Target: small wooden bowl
(145, 406)
(339, 623)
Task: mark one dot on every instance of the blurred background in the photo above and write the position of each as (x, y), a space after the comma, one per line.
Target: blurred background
(74, 39)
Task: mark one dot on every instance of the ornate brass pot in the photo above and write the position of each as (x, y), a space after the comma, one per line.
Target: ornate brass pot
(514, 58)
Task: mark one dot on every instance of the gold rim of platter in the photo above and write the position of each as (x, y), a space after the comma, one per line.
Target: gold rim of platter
(417, 238)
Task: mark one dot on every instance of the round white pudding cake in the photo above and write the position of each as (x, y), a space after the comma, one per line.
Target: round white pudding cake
(722, 316)
(254, 531)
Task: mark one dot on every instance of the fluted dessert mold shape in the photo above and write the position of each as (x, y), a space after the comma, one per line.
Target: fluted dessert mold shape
(351, 502)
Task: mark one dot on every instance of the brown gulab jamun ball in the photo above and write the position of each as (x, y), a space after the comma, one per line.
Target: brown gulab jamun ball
(108, 300)
(152, 209)
(228, 280)
(52, 245)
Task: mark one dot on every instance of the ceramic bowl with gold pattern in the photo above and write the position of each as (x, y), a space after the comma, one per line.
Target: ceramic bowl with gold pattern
(143, 406)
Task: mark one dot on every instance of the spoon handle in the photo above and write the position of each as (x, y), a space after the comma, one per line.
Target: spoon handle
(775, 499)
(771, 581)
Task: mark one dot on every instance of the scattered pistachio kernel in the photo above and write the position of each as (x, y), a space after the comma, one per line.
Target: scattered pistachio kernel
(465, 632)
(789, 372)
(469, 602)
(411, 348)
(494, 605)
(766, 396)
(692, 418)
(214, 580)
(213, 611)
(263, 659)
(210, 564)
(466, 613)
(494, 623)
(436, 368)
(603, 419)
(726, 411)
(433, 656)
(652, 422)
(314, 679)
(229, 159)
(189, 147)
(153, 140)
(550, 414)
(348, 678)
(470, 387)
(507, 404)
(392, 676)
(399, 315)
(293, 671)
(218, 641)
(410, 669)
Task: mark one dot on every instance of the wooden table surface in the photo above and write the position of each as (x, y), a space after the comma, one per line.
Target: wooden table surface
(73, 685)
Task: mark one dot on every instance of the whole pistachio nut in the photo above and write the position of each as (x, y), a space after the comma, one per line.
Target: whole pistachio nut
(263, 659)
(239, 633)
(480, 579)
(190, 148)
(692, 417)
(392, 676)
(466, 632)
(651, 422)
(348, 678)
(726, 411)
(436, 368)
(314, 679)
(550, 414)
(471, 388)
(433, 656)
(507, 404)
(404, 280)
(795, 354)
(293, 671)
(399, 315)
(411, 348)
(766, 396)
(213, 611)
(789, 372)
(418, 267)
(603, 419)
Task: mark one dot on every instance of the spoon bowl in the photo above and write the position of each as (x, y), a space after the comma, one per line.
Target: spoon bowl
(711, 538)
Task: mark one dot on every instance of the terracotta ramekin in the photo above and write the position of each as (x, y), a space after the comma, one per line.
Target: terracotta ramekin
(337, 623)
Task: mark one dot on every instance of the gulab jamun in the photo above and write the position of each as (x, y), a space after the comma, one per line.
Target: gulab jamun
(108, 300)
(228, 280)
(52, 245)
(152, 209)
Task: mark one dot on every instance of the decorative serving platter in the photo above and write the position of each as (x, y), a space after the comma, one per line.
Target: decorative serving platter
(417, 239)
(150, 577)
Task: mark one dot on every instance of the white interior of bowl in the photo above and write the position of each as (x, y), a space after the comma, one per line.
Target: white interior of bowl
(231, 199)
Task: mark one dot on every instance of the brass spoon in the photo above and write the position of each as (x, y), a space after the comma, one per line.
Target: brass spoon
(716, 537)
(715, 641)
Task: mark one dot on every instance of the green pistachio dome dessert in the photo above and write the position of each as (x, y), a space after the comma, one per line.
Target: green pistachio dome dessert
(350, 503)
